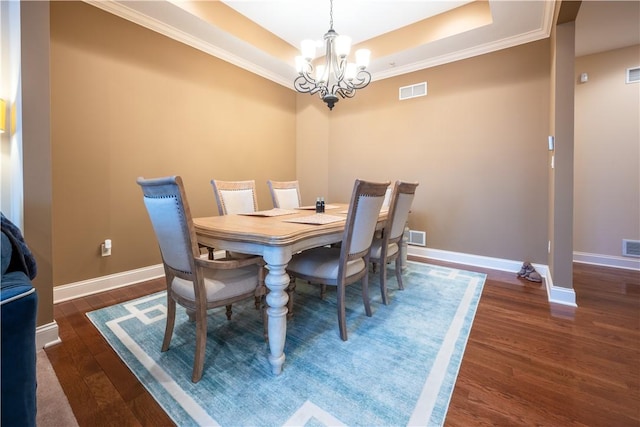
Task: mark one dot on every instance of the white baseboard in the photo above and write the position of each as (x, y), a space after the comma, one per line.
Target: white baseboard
(47, 335)
(105, 283)
(607, 260)
(113, 281)
(555, 294)
(466, 259)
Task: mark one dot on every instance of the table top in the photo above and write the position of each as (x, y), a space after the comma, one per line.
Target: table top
(270, 230)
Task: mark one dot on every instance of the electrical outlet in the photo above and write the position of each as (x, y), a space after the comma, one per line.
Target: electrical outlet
(106, 247)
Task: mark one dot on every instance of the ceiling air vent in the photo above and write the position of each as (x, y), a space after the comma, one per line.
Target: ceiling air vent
(631, 248)
(633, 75)
(413, 91)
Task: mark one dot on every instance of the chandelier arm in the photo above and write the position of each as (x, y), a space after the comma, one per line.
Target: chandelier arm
(310, 80)
(339, 68)
(303, 85)
(346, 92)
(362, 80)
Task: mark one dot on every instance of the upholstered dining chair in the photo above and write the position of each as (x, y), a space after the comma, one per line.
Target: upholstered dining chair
(285, 194)
(347, 264)
(235, 197)
(387, 197)
(196, 283)
(387, 247)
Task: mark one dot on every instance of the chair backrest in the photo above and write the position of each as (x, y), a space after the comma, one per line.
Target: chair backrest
(235, 197)
(170, 216)
(285, 194)
(399, 207)
(387, 197)
(362, 217)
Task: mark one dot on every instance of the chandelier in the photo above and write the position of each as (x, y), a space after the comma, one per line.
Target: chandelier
(337, 76)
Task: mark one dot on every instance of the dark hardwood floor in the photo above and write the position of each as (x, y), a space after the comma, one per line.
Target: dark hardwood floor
(526, 363)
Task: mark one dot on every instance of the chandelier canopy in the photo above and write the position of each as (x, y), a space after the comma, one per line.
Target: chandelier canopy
(336, 76)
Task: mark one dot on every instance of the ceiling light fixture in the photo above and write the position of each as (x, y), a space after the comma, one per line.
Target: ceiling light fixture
(337, 76)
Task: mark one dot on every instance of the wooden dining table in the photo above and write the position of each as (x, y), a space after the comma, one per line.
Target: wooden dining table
(271, 235)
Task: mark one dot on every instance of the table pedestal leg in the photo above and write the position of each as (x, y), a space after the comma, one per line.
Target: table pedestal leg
(277, 281)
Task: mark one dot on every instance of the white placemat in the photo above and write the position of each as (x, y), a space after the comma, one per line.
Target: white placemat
(272, 212)
(316, 219)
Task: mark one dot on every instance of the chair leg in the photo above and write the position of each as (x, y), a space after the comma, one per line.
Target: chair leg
(201, 343)
(383, 283)
(291, 290)
(265, 319)
(365, 293)
(261, 290)
(323, 291)
(342, 317)
(171, 321)
(229, 312)
(191, 314)
(399, 272)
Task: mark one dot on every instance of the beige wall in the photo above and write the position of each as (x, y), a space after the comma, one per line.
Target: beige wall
(34, 126)
(607, 153)
(560, 230)
(128, 102)
(312, 148)
(477, 144)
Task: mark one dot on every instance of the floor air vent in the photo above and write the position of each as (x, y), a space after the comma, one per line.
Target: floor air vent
(417, 238)
(631, 248)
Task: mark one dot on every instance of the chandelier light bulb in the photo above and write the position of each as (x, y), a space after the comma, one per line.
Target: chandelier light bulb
(308, 49)
(351, 71)
(301, 64)
(320, 74)
(343, 46)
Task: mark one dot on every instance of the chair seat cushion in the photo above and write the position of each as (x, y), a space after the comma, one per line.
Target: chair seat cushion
(220, 284)
(376, 249)
(322, 263)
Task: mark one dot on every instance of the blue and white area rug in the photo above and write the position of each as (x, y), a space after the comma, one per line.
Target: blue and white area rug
(398, 367)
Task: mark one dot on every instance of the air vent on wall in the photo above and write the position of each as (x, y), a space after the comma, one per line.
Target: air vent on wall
(413, 91)
(633, 75)
(417, 238)
(631, 248)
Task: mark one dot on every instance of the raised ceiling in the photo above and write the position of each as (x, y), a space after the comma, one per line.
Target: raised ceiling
(263, 36)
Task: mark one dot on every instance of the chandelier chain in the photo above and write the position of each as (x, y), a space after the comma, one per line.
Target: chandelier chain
(331, 14)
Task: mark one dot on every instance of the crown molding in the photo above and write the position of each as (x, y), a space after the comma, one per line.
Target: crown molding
(543, 31)
(121, 10)
(462, 54)
(132, 15)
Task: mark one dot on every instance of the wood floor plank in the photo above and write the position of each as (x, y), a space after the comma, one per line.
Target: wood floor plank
(119, 374)
(72, 382)
(527, 362)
